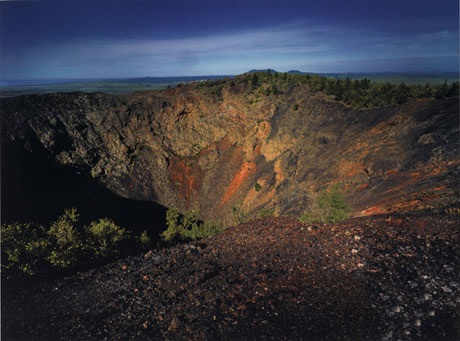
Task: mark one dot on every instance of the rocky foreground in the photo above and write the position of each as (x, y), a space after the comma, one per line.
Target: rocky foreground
(383, 277)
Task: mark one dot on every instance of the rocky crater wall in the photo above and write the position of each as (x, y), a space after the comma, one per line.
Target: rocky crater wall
(192, 149)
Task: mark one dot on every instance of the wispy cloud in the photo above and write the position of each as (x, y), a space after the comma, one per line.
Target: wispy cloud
(135, 56)
(303, 45)
(249, 42)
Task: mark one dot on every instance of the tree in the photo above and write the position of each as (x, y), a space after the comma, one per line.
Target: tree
(275, 90)
(402, 93)
(453, 90)
(427, 91)
(330, 207)
(333, 205)
(365, 83)
(347, 83)
(322, 84)
(442, 91)
(338, 90)
(329, 90)
(254, 81)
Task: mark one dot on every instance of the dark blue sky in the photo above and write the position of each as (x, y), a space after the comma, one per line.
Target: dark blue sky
(103, 39)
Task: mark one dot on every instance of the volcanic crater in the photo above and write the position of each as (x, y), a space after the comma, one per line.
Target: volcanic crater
(391, 271)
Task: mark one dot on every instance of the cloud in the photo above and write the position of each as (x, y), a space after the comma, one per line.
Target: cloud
(172, 50)
(146, 56)
(281, 47)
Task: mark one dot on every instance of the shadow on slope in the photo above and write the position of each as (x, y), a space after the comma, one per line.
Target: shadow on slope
(36, 189)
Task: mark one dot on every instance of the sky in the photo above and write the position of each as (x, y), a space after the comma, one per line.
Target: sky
(120, 39)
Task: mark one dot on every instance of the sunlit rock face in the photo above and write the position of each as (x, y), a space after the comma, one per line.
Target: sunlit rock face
(195, 148)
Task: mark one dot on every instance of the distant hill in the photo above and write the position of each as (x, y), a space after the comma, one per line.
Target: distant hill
(173, 79)
(262, 70)
(274, 71)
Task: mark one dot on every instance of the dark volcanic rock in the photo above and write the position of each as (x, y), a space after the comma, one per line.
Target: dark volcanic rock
(385, 277)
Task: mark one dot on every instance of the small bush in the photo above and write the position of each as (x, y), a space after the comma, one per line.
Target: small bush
(296, 107)
(330, 207)
(144, 240)
(173, 230)
(106, 237)
(310, 218)
(66, 239)
(187, 227)
(257, 187)
(24, 248)
(206, 230)
(239, 215)
(268, 212)
(31, 249)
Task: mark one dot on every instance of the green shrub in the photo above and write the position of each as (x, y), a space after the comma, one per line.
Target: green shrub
(24, 248)
(187, 227)
(144, 240)
(206, 230)
(239, 215)
(257, 187)
(31, 249)
(106, 237)
(173, 227)
(310, 218)
(296, 107)
(66, 239)
(330, 207)
(254, 81)
(268, 212)
(333, 205)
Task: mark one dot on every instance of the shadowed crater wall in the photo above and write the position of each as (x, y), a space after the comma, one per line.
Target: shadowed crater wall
(35, 188)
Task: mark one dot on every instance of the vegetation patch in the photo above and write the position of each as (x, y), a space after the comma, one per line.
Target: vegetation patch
(239, 214)
(31, 249)
(267, 212)
(187, 227)
(330, 207)
(358, 93)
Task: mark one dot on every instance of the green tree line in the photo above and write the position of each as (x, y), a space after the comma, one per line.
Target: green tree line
(358, 93)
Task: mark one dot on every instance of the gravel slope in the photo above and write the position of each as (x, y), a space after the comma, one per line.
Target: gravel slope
(384, 277)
